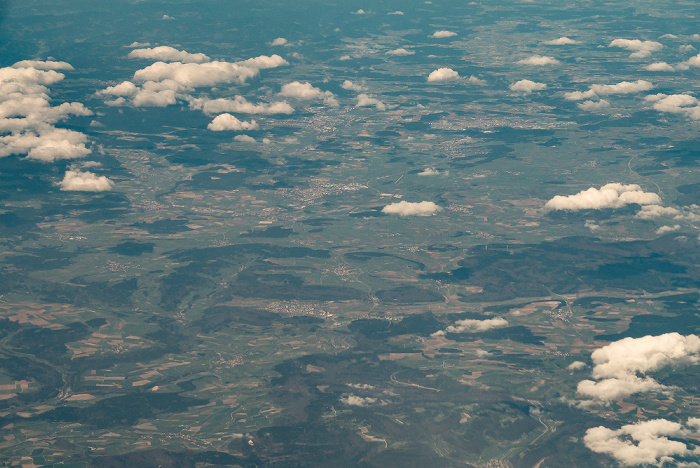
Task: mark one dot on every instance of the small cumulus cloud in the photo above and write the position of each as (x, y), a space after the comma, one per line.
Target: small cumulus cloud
(691, 62)
(354, 400)
(659, 66)
(351, 86)
(229, 122)
(620, 368)
(28, 119)
(429, 171)
(167, 18)
(527, 86)
(162, 84)
(640, 49)
(667, 229)
(538, 61)
(306, 92)
(443, 34)
(210, 73)
(590, 224)
(684, 104)
(400, 52)
(685, 213)
(443, 74)
(46, 145)
(655, 211)
(361, 386)
(240, 105)
(477, 81)
(77, 181)
(168, 54)
(244, 139)
(473, 326)
(397, 12)
(612, 195)
(44, 65)
(594, 106)
(596, 90)
(359, 12)
(561, 41)
(404, 208)
(652, 442)
(576, 366)
(363, 100)
(280, 41)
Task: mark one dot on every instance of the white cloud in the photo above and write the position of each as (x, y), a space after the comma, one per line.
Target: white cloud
(156, 94)
(539, 60)
(120, 101)
(576, 366)
(397, 12)
(46, 146)
(244, 139)
(364, 100)
(644, 443)
(168, 54)
(691, 62)
(527, 86)
(77, 181)
(139, 44)
(229, 122)
(429, 171)
(590, 224)
(350, 86)
(125, 88)
(306, 92)
(240, 105)
(655, 211)
(477, 81)
(667, 229)
(361, 386)
(618, 365)
(193, 75)
(163, 84)
(473, 326)
(400, 52)
(624, 87)
(561, 41)
(659, 66)
(359, 12)
(686, 213)
(354, 400)
(27, 117)
(593, 106)
(43, 65)
(613, 195)
(167, 18)
(280, 41)
(404, 208)
(639, 48)
(676, 104)
(442, 34)
(443, 74)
